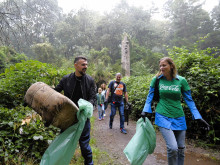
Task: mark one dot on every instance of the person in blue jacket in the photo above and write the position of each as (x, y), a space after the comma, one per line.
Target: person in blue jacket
(169, 115)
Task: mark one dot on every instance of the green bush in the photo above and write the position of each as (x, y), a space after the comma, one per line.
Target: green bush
(44, 52)
(8, 56)
(21, 142)
(18, 78)
(137, 87)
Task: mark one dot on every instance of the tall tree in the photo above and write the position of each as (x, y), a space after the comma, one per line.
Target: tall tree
(134, 21)
(24, 22)
(213, 39)
(216, 16)
(188, 21)
(42, 16)
(77, 30)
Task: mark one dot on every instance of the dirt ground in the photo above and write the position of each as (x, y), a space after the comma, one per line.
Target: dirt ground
(113, 142)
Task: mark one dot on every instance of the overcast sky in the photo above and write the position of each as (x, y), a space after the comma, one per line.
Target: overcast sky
(107, 5)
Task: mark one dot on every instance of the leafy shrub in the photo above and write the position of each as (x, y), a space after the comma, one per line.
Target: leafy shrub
(137, 88)
(144, 58)
(44, 52)
(19, 142)
(17, 79)
(33, 141)
(8, 56)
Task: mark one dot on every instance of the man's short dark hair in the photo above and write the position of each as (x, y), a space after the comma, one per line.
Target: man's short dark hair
(79, 58)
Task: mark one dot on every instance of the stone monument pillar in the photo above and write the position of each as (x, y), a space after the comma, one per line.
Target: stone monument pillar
(125, 56)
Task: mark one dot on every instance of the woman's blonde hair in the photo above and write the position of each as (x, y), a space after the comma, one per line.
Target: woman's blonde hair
(171, 63)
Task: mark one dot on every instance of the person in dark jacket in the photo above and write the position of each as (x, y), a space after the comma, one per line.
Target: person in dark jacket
(75, 86)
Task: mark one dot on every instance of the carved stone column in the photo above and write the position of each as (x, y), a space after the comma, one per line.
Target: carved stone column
(125, 57)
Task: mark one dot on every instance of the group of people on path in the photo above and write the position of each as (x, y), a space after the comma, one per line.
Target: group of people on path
(117, 89)
(169, 115)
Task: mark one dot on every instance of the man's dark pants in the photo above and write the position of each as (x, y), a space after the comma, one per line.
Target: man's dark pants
(84, 144)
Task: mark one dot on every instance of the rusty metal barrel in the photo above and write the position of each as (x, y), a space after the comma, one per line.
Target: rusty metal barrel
(52, 106)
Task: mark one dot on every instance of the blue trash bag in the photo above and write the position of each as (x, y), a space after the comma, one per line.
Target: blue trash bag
(62, 149)
(142, 143)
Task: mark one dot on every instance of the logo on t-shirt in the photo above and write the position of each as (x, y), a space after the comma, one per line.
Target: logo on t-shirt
(169, 88)
(119, 89)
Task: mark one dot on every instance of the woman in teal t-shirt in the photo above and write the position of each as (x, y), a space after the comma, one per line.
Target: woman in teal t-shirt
(169, 114)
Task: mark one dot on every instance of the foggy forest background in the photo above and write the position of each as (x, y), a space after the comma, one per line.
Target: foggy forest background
(38, 42)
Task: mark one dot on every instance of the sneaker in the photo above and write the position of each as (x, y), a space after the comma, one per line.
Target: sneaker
(123, 131)
(103, 118)
(100, 119)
